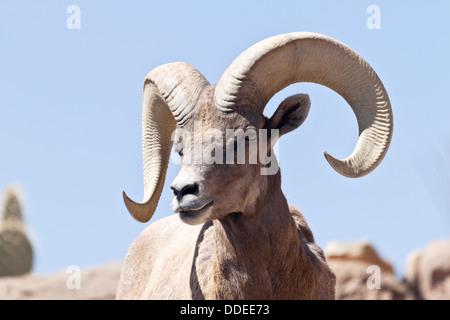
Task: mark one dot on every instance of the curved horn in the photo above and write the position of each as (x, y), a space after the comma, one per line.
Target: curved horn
(170, 95)
(273, 64)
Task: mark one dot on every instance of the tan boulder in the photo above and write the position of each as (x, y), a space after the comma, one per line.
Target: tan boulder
(361, 274)
(428, 271)
(72, 284)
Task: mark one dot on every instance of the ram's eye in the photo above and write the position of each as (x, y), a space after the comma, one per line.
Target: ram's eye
(180, 153)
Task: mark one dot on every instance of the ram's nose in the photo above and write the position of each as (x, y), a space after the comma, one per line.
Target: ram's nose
(189, 189)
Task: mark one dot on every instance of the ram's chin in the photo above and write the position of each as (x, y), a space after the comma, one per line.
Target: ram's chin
(195, 217)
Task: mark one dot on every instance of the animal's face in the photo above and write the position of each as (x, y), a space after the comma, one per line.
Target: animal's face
(226, 159)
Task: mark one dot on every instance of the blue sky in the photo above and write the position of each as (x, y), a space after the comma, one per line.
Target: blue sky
(70, 117)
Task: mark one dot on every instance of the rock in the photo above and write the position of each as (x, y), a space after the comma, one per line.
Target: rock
(362, 274)
(94, 283)
(428, 271)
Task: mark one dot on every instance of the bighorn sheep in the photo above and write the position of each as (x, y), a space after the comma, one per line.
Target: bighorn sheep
(240, 239)
(16, 253)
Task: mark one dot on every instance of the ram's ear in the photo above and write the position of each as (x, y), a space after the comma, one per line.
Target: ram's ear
(290, 114)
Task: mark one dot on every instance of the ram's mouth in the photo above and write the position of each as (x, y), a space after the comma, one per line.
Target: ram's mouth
(189, 213)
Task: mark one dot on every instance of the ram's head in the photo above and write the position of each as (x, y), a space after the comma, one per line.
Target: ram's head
(217, 176)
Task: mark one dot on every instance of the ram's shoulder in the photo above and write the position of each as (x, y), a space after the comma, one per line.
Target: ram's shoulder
(159, 241)
(158, 236)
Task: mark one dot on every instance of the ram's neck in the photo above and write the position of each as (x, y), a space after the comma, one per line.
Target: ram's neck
(252, 253)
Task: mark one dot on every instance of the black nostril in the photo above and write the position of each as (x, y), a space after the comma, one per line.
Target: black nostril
(189, 189)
